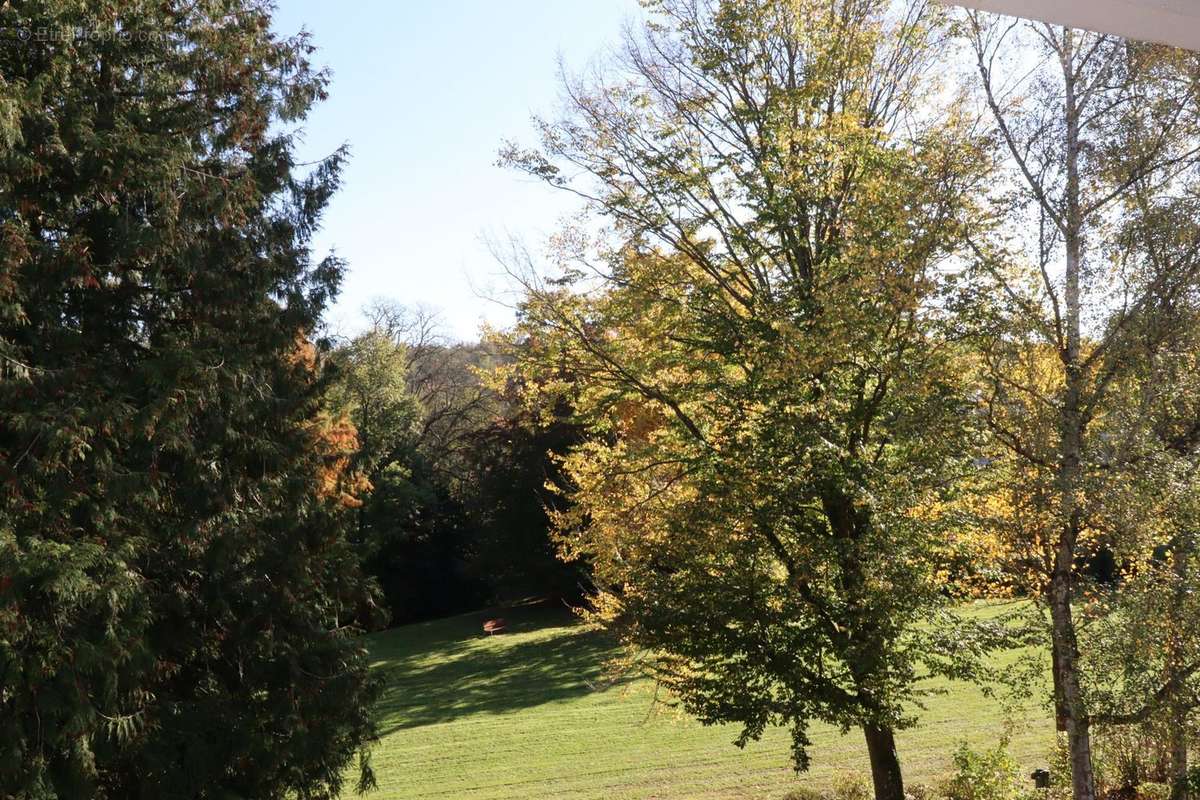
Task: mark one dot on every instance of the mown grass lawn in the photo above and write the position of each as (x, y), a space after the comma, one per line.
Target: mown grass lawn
(526, 715)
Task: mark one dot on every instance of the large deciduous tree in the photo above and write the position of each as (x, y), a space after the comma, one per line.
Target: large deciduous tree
(175, 581)
(760, 350)
(1096, 193)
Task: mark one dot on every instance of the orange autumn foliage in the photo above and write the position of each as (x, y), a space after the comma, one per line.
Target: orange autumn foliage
(334, 441)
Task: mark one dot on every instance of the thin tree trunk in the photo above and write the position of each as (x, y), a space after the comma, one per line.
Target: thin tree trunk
(885, 764)
(1179, 758)
(1180, 552)
(1070, 477)
(1060, 710)
(1079, 740)
(1065, 644)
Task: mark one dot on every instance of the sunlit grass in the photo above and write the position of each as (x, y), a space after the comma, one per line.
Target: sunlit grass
(527, 715)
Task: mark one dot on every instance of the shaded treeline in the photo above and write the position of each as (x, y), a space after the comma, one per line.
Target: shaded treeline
(459, 474)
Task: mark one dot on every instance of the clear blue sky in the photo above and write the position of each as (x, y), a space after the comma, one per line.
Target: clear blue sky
(425, 92)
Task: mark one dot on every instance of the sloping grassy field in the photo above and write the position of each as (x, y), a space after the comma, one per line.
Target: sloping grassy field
(525, 715)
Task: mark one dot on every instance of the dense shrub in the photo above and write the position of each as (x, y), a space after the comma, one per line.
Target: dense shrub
(984, 775)
(805, 794)
(1131, 756)
(1131, 762)
(851, 787)
(847, 786)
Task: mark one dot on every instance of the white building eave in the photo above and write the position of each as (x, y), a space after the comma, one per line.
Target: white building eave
(1174, 22)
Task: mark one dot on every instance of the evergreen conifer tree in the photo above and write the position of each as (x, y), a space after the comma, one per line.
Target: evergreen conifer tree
(176, 590)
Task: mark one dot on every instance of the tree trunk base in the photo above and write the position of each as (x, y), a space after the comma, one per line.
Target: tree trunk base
(885, 764)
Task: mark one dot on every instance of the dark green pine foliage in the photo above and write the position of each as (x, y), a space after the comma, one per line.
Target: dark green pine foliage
(175, 585)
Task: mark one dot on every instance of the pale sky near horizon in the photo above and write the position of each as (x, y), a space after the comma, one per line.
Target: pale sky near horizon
(425, 93)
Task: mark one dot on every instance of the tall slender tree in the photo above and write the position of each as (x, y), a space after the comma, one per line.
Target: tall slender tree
(1102, 150)
(174, 577)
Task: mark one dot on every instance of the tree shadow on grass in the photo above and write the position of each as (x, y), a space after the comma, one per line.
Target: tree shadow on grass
(447, 670)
